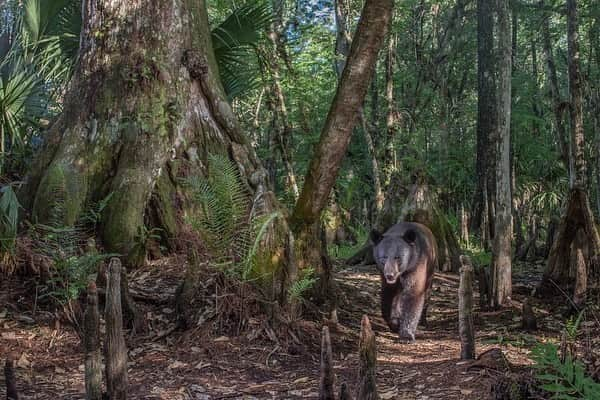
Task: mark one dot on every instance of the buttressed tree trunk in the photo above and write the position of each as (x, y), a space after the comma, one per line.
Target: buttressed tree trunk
(145, 93)
(335, 136)
(578, 214)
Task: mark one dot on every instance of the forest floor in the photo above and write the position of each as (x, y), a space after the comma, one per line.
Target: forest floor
(195, 364)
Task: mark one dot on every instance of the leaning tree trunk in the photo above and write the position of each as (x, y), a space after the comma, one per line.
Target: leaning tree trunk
(145, 93)
(578, 214)
(335, 137)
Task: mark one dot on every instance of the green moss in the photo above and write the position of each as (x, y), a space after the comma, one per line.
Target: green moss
(61, 196)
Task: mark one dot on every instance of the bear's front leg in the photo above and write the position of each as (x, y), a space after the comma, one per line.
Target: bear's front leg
(406, 313)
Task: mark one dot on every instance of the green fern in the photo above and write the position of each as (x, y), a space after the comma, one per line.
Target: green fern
(565, 380)
(302, 285)
(223, 214)
(232, 228)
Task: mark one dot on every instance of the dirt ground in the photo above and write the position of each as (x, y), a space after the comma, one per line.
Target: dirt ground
(167, 364)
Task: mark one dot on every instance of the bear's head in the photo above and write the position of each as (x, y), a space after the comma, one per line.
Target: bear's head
(394, 254)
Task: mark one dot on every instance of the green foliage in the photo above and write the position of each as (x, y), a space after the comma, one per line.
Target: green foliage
(565, 380)
(71, 275)
(232, 229)
(477, 253)
(347, 250)
(9, 218)
(302, 285)
(572, 326)
(43, 44)
(234, 40)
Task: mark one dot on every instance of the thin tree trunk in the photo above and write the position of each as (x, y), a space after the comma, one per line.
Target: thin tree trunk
(391, 120)
(486, 118)
(558, 107)
(379, 195)
(535, 104)
(343, 38)
(284, 127)
(501, 263)
(576, 106)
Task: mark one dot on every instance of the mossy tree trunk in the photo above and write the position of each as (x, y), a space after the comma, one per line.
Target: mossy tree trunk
(145, 95)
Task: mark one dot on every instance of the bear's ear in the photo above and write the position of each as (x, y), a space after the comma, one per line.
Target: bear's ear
(375, 237)
(410, 236)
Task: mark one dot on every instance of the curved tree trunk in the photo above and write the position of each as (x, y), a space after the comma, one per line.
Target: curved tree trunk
(145, 93)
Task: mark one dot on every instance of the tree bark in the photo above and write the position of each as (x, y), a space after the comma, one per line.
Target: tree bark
(578, 214)
(342, 49)
(557, 103)
(115, 354)
(145, 92)
(10, 379)
(367, 355)
(502, 259)
(391, 121)
(577, 177)
(283, 126)
(486, 118)
(326, 391)
(335, 136)
(91, 345)
(465, 311)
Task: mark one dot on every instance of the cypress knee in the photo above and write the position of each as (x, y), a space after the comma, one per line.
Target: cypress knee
(91, 345)
(327, 376)
(11, 381)
(115, 348)
(465, 310)
(367, 354)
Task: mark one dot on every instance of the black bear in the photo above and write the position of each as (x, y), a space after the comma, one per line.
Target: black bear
(406, 255)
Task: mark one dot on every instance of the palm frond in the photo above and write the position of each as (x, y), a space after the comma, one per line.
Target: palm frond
(233, 42)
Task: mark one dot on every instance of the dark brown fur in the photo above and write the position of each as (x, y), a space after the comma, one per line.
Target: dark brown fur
(408, 250)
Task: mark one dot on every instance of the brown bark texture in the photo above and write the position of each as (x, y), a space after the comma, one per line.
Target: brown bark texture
(11, 380)
(91, 345)
(465, 311)
(115, 349)
(327, 379)
(145, 93)
(486, 116)
(502, 257)
(367, 356)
